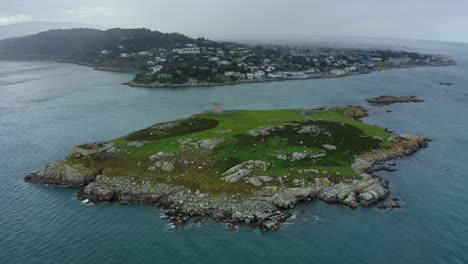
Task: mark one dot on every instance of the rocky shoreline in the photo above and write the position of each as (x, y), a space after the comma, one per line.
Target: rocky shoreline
(266, 209)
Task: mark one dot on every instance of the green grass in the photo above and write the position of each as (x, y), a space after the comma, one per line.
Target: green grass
(201, 169)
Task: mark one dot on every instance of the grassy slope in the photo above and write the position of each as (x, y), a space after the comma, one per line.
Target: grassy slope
(201, 169)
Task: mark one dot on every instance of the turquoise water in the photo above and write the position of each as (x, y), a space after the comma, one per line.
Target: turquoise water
(46, 108)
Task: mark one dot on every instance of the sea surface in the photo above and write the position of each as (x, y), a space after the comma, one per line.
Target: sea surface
(46, 108)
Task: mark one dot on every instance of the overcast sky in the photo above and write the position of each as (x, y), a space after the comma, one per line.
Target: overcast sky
(417, 19)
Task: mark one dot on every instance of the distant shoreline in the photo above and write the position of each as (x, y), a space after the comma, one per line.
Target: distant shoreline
(321, 76)
(186, 85)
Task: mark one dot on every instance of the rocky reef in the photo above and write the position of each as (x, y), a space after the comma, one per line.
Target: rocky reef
(387, 100)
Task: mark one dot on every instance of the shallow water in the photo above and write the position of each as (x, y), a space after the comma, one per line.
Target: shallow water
(46, 108)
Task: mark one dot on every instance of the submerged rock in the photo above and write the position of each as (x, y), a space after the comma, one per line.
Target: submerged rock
(393, 203)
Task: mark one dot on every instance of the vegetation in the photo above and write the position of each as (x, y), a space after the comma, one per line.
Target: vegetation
(311, 135)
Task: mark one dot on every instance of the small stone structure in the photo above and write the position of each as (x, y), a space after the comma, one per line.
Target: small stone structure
(91, 148)
(217, 108)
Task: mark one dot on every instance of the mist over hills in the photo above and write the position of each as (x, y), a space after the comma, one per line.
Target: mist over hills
(85, 43)
(34, 27)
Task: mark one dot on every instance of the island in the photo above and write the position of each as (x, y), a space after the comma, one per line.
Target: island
(389, 99)
(174, 60)
(239, 167)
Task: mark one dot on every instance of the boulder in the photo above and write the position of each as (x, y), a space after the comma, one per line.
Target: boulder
(284, 200)
(222, 132)
(165, 126)
(259, 180)
(136, 144)
(263, 131)
(210, 143)
(361, 166)
(236, 176)
(329, 146)
(255, 181)
(312, 129)
(167, 166)
(298, 155)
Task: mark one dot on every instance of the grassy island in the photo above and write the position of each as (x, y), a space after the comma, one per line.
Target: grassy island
(239, 167)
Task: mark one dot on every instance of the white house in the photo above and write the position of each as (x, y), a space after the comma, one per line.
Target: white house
(229, 73)
(156, 69)
(193, 50)
(223, 62)
(144, 53)
(259, 74)
(159, 59)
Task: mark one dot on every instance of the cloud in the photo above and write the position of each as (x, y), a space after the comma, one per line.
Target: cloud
(97, 12)
(5, 20)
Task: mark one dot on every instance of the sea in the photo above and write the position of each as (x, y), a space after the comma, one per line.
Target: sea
(46, 108)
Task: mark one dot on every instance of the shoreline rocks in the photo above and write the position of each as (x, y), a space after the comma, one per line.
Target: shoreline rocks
(265, 209)
(266, 206)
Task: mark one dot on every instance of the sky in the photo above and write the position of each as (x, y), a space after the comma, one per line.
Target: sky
(445, 20)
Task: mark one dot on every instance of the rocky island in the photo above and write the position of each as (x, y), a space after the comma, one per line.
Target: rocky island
(388, 100)
(239, 167)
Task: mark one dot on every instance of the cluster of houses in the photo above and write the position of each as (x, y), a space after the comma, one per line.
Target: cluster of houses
(240, 62)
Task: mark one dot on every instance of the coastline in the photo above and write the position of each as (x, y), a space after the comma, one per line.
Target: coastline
(321, 76)
(134, 84)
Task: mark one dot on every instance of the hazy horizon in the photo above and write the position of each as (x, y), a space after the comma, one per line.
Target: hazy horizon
(417, 19)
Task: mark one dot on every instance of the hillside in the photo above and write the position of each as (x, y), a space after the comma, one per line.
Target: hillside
(84, 45)
(34, 27)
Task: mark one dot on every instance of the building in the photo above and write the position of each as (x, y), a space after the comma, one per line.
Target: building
(229, 73)
(164, 76)
(223, 62)
(259, 74)
(191, 50)
(217, 108)
(156, 69)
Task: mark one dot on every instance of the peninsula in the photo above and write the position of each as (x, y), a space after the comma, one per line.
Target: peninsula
(175, 60)
(239, 167)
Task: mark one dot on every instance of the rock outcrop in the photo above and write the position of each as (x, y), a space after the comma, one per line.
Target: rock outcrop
(61, 174)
